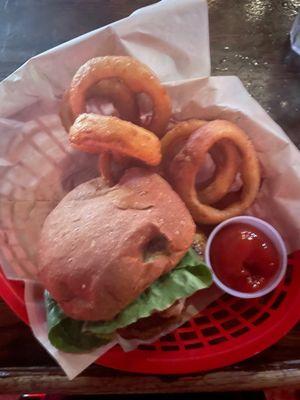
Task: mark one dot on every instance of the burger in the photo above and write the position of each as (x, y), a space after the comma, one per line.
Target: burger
(118, 261)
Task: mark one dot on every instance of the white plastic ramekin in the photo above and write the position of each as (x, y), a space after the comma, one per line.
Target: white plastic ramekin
(272, 234)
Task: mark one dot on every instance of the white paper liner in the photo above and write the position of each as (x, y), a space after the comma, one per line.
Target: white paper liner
(38, 167)
(194, 305)
(72, 364)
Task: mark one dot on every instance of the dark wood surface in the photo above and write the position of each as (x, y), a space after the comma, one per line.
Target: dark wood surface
(249, 39)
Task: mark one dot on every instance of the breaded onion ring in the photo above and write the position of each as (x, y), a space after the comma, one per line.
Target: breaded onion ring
(95, 133)
(136, 76)
(104, 166)
(188, 161)
(65, 114)
(112, 166)
(176, 137)
(226, 164)
(119, 94)
(111, 89)
(226, 159)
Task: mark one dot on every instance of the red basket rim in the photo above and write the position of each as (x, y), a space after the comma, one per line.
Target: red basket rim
(272, 332)
(154, 362)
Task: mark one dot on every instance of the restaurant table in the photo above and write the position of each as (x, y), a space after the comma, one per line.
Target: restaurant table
(249, 39)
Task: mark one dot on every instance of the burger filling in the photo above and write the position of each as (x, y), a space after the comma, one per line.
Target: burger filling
(159, 306)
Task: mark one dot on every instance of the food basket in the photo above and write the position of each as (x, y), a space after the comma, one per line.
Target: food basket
(39, 163)
(229, 330)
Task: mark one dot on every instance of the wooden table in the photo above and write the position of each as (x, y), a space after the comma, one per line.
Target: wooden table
(249, 38)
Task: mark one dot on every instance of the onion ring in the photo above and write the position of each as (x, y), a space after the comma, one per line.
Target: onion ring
(176, 137)
(104, 167)
(187, 162)
(95, 133)
(65, 114)
(226, 159)
(112, 166)
(136, 76)
(226, 166)
(119, 94)
(111, 89)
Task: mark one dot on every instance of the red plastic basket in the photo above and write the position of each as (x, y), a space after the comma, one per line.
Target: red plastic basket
(228, 331)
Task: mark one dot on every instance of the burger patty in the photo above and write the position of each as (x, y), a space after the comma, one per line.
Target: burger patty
(147, 328)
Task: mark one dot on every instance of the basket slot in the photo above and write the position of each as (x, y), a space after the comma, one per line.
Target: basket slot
(210, 332)
(168, 338)
(262, 318)
(202, 321)
(220, 315)
(289, 275)
(193, 346)
(278, 300)
(239, 306)
(250, 312)
(188, 335)
(170, 348)
(217, 340)
(240, 332)
(146, 347)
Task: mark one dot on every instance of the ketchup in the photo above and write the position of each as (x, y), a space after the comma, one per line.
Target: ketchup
(243, 257)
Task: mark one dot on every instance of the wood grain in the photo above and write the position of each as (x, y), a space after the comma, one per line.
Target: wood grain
(102, 381)
(249, 38)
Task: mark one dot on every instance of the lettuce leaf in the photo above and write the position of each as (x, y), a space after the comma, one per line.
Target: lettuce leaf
(189, 276)
(67, 334)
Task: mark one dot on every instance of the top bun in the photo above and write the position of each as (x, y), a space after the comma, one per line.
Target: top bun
(101, 247)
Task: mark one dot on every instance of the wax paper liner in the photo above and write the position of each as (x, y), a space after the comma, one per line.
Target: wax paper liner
(72, 364)
(193, 306)
(38, 167)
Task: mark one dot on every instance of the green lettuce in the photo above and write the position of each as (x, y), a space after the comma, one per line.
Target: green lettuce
(67, 334)
(189, 276)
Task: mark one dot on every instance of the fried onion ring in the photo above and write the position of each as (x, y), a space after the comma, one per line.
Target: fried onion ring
(120, 95)
(65, 114)
(176, 137)
(136, 76)
(112, 166)
(226, 165)
(95, 133)
(104, 167)
(188, 161)
(111, 89)
(226, 159)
